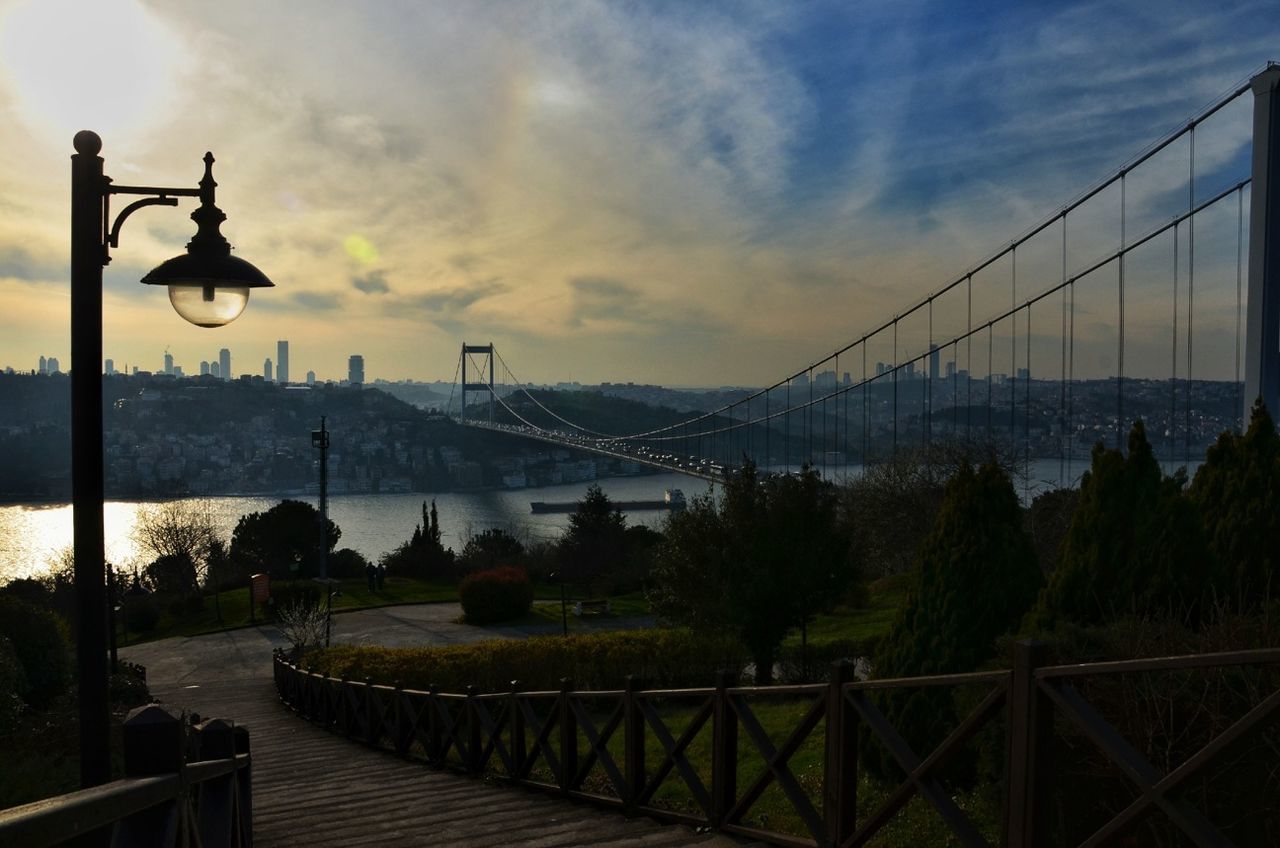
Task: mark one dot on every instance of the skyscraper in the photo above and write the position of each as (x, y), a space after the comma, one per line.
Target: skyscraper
(44, 366)
(204, 368)
(110, 367)
(168, 362)
(214, 370)
(282, 361)
(266, 370)
(355, 370)
(224, 363)
(311, 378)
(935, 359)
(53, 366)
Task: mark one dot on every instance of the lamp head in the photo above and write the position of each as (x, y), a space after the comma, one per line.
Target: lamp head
(207, 285)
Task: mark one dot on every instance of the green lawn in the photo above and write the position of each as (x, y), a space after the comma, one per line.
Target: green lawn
(857, 624)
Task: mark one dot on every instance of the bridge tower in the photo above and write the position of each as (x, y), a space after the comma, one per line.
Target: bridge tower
(485, 365)
(1262, 335)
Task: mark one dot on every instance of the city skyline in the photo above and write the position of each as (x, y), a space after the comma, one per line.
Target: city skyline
(682, 195)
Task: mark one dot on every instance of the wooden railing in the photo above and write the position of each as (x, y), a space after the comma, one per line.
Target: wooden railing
(183, 786)
(591, 745)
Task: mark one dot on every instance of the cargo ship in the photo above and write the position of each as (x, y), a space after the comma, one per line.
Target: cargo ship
(672, 499)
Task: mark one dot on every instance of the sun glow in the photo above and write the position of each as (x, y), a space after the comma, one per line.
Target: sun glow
(69, 65)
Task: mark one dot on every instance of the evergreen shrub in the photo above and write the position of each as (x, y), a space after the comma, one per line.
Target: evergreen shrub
(43, 648)
(13, 685)
(658, 658)
(498, 594)
(141, 613)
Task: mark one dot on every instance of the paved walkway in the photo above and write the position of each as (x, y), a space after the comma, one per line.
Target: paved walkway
(312, 788)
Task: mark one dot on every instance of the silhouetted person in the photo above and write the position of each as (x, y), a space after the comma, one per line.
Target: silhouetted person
(382, 576)
(371, 575)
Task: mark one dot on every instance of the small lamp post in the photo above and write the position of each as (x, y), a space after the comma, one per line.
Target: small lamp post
(564, 608)
(320, 440)
(208, 287)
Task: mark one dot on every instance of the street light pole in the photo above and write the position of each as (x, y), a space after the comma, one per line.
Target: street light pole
(320, 439)
(87, 258)
(208, 287)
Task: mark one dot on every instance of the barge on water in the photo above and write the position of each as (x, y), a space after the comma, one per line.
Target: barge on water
(672, 499)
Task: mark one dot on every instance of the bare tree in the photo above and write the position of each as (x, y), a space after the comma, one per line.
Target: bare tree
(177, 536)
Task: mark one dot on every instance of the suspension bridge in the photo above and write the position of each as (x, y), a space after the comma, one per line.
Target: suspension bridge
(1154, 294)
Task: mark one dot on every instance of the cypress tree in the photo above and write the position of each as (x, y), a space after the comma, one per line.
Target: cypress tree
(1136, 545)
(1237, 491)
(975, 576)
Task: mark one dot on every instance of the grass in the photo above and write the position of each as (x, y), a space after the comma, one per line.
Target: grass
(863, 624)
(630, 605)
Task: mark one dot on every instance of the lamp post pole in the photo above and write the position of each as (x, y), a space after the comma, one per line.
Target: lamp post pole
(320, 439)
(87, 259)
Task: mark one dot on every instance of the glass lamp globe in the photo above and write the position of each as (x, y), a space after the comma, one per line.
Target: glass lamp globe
(208, 305)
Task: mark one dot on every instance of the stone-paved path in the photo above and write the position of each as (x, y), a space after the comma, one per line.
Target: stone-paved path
(312, 788)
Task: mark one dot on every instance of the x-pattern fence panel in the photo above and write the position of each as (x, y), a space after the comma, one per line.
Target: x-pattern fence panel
(621, 748)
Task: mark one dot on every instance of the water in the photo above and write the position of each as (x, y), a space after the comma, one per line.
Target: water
(33, 535)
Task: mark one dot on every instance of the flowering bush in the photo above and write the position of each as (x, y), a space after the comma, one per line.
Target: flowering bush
(498, 594)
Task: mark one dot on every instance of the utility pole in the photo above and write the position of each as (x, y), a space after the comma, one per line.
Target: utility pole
(320, 439)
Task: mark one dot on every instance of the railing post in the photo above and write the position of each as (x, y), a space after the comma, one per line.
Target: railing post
(517, 731)
(435, 735)
(244, 786)
(724, 751)
(217, 797)
(1028, 737)
(153, 745)
(474, 744)
(372, 730)
(568, 737)
(840, 779)
(400, 720)
(342, 720)
(633, 744)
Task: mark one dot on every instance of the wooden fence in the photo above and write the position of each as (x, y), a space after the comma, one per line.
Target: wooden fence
(183, 786)
(591, 745)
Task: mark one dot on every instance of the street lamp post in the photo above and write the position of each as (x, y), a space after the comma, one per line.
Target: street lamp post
(208, 287)
(320, 439)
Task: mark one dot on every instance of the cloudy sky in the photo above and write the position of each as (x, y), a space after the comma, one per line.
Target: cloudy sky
(687, 193)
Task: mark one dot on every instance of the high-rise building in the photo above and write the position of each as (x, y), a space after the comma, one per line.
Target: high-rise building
(110, 367)
(214, 370)
(311, 378)
(935, 359)
(52, 365)
(266, 370)
(177, 372)
(224, 363)
(168, 362)
(44, 366)
(204, 368)
(951, 368)
(355, 370)
(282, 361)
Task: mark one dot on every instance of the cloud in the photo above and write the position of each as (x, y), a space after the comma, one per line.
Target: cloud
(457, 299)
(317, 301)
(375, 282)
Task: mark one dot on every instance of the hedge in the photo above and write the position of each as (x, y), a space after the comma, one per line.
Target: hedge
(658, 658)
(42, 646)
(494, 595)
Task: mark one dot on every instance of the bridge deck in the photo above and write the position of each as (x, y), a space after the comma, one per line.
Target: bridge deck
(315, 789)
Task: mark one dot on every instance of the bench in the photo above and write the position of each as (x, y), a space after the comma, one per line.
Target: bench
(581, 608)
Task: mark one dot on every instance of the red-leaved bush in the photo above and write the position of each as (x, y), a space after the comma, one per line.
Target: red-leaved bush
(499, 594)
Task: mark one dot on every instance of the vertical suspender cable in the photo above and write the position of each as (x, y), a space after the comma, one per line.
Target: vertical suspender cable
(866, 415)
(1026, 412)
(1171, 439)
(968, 383)
(1013, 347)
(991, 344)
(1071, 380)
(895, 386)
(1062, 384)
(1191, 281)
(929, 377)
(1120, 428)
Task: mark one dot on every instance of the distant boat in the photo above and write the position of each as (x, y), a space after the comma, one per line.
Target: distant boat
(672, 499)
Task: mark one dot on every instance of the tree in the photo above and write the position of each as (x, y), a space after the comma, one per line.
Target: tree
(975, 577)
(1237, 491)
(1136, 545)
(285, 535)
(178, 537)
(422, 556)
(595, 542)
(760, 562)
(490, 549)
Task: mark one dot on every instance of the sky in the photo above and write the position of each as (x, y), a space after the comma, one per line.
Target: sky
(660, 192)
